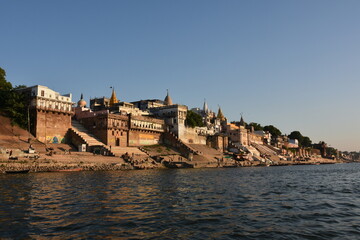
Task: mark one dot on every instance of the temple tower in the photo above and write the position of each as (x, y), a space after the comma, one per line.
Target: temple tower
(168, 100)
(113, 98)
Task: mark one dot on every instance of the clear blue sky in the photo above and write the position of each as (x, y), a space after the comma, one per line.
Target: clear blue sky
(293, 64)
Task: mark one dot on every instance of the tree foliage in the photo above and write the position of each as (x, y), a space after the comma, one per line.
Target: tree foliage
(303, 140)
(306, 142)
(257, 126)
(193, 120)
(275, 132)
(4, 85)
(296, 135)
(12, 103)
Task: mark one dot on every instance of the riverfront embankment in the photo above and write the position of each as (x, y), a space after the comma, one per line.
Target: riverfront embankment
(83, 161)
(90, 162)
(15, 144)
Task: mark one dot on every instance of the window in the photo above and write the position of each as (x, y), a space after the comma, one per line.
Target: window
(42, 93)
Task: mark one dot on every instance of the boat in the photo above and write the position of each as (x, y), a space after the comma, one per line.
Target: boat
(169, 164)
(17, 171)
(69, 170)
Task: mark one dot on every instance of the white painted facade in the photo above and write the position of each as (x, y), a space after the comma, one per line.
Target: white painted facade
(46, 98)
(174, 116)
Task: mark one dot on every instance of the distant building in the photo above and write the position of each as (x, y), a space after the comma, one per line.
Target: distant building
(264, 135)
(292, 143)
(174, 117)
(97, 104)
(237, 134)
(115, 106)
(145, 105)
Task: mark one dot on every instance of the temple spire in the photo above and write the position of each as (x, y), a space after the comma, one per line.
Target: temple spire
(242, 122)
(205, 107)
(113, 98)
(220, 115)
(168, 100)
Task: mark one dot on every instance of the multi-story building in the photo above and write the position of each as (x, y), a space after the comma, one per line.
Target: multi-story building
(237, 134)
(124, 127)
(50, 113)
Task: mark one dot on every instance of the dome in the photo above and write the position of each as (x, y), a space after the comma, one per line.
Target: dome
(81, 102)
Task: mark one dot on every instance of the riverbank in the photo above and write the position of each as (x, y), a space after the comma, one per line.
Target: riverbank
(78, 160)
(89, 162)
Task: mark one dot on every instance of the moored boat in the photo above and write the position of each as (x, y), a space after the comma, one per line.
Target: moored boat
(69, 170)
(169, 164)
(17, 171)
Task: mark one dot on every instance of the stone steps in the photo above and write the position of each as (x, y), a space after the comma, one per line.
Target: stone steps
(206, 151)
(82, 132)
(263, 149)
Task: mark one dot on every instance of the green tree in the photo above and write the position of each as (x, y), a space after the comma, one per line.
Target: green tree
(193, 120)
(303, 140)
(275, 132)
(16, 109)
(4, 85)
(5, 88)
(296, 135)
(12, 103)
(306, 142)
(257, 126)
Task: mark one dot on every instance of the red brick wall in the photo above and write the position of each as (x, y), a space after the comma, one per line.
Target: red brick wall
(117, 137)
(97, 126)
(110, 129)
(51, 127)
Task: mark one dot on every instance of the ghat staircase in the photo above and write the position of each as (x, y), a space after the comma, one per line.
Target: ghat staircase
(89, 139)
(202, 155)
(263, 149)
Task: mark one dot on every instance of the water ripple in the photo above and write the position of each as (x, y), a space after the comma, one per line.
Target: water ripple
(298, 202)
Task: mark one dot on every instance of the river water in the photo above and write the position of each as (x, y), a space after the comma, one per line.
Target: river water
(294, 202)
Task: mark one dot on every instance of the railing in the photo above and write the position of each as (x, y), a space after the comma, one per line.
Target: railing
(53, 109)
(147, 128)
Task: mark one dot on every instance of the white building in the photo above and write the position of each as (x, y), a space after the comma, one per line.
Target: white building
(44, 98)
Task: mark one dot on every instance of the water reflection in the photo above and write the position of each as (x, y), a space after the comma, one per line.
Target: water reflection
(251, 203)
(15, 207)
